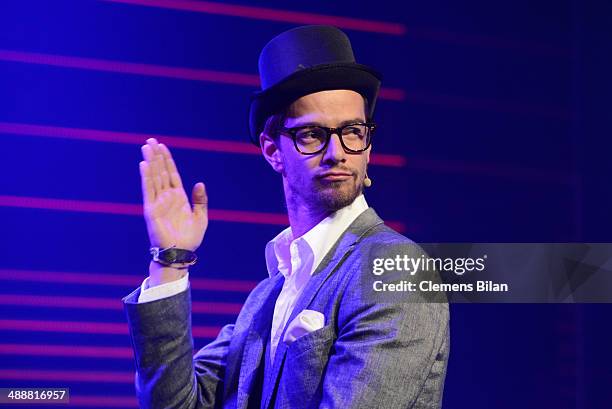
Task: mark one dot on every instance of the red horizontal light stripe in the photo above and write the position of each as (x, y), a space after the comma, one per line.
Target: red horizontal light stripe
(241, 216)
(96, 303)
(66, 376)
(67, 350)
(172, 141)
(123, 67)
(397, 226)
(65, 326)
(392, 94)
(119, 280)
(84, 327)
(129, 209)
(73, 351)
(385, 159)
(71, 205)
(272, 14)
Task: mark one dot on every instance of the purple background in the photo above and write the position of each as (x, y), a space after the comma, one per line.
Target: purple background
(493, 127)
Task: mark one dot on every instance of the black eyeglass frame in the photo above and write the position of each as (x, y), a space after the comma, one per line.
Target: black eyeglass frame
(370, 127)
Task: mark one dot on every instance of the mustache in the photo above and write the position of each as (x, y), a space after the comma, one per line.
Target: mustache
(337, 170)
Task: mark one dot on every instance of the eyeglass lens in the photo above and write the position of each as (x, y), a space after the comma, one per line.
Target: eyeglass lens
(312, 139)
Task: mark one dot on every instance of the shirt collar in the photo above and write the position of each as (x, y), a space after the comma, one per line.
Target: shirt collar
(319, 240)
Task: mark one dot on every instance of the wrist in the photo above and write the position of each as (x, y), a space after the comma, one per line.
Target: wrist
(159, 274)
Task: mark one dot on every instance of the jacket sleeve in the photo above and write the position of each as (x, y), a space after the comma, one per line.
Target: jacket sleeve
(391, 352)
(158, 292)
(167, 374)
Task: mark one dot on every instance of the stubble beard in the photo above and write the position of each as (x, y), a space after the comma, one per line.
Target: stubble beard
(321, 196)
(333, 196)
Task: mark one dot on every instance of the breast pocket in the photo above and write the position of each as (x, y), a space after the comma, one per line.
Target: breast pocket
(314, 341)
(305, 363)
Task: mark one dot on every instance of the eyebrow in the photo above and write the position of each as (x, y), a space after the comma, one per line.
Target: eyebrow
(343, 123)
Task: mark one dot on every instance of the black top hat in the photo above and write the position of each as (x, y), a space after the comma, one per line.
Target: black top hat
(305, 60)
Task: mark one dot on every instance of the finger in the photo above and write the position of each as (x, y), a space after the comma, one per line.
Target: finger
(199, 199)
(160, 167)
(159, 157)
(147, 153)
(165, 177)
(148, 190)
(158, 161)
(175, 177)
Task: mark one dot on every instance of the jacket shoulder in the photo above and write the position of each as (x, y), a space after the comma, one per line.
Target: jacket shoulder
(382, 238)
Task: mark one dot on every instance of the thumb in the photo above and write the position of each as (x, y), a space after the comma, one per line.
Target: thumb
(199, 200)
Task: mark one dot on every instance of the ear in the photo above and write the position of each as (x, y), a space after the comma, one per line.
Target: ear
(271, 152)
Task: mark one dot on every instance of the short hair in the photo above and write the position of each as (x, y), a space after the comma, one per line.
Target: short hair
(275, 122)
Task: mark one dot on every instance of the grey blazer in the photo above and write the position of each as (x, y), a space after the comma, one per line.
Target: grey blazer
(369, 354)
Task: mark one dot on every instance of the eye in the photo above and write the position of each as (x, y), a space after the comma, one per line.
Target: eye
(354, 130)
(310, 134)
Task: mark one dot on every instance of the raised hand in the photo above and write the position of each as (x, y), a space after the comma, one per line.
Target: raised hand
(170, 219)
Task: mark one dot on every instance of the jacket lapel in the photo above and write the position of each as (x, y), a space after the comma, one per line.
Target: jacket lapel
(330, 263)
(255, 341)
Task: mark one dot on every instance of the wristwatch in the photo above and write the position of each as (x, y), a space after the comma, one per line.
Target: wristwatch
(172, 255)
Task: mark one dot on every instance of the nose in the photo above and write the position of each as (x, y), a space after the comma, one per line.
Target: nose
(334, 151)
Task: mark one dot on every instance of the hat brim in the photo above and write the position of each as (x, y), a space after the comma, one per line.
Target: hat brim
(357, 77)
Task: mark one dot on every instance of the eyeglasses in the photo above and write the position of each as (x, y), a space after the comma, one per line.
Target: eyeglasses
(310, 140)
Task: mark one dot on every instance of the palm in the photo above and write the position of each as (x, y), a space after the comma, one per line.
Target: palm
(172, 222)
(170, 219)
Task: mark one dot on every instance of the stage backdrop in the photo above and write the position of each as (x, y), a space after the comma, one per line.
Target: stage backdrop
(479, 140)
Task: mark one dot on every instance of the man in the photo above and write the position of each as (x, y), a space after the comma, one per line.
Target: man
(313, 334)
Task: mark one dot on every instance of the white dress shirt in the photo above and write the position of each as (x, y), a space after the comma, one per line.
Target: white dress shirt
(296, 259)
(163, 290)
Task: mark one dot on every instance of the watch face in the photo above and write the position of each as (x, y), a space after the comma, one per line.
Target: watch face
(174, 255)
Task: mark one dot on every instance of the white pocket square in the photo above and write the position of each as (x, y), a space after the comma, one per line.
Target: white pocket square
(304, 323)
